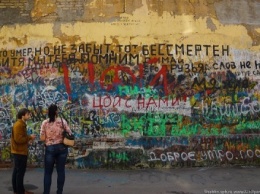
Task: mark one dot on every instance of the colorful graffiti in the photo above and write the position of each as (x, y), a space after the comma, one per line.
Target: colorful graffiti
(137, 105)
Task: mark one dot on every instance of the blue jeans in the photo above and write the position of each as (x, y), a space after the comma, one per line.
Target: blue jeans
(20, 163)
(55, 154)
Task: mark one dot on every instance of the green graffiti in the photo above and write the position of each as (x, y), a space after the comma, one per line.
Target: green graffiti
(185, 130)
(160, 124)
(224, 131)
(122, 157)
(155, 130)
(214, 131)
(125, 124)
(134, 124)
(135, 91)
(254, 143)
(197, 129)
(250, 125)
(150, 124)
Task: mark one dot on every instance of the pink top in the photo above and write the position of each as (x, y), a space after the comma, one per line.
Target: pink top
(53, 131)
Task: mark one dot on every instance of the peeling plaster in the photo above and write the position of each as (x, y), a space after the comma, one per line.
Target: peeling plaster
(211, 24)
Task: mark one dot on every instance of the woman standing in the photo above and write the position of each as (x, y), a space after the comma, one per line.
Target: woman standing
(55, 151)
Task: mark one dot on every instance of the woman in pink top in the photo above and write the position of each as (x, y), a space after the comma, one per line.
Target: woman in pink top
(55, 151)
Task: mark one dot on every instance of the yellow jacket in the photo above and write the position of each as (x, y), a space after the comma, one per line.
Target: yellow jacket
(19, 138)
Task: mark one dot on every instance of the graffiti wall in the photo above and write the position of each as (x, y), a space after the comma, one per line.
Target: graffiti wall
(148, 88)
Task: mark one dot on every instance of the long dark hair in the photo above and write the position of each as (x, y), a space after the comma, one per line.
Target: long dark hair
(52, 112)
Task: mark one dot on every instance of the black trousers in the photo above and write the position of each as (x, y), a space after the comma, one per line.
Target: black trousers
(20, 163)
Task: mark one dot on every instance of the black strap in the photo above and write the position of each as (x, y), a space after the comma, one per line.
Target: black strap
(63, 125)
